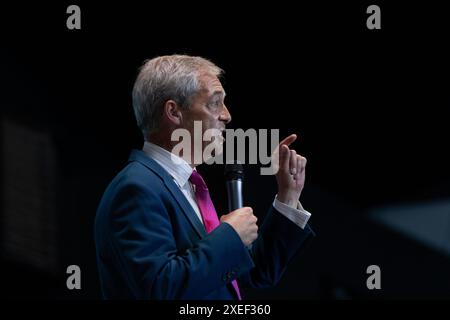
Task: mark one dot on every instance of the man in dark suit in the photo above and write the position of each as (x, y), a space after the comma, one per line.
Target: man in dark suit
(157, 233)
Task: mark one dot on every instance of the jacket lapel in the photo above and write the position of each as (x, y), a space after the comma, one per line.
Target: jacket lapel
(140, 156)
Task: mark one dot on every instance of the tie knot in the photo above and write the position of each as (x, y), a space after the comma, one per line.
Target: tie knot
(197, 180)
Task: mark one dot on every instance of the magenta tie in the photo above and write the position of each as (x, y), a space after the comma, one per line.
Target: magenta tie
(207, 210)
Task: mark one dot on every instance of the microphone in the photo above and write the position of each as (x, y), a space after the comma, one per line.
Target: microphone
(234, 176)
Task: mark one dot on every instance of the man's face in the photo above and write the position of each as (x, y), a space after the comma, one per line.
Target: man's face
(208, 106)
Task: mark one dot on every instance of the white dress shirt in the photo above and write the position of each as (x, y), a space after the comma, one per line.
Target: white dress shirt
(181, 171)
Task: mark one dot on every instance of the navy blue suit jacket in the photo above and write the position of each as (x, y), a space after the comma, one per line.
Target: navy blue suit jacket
(151, 244)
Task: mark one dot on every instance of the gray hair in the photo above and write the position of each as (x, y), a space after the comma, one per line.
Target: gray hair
(164, 78)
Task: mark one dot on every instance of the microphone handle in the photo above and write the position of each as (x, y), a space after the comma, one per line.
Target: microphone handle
(234, 190)
(235, 197)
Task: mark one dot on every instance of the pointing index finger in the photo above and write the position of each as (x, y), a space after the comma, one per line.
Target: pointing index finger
(287, 141)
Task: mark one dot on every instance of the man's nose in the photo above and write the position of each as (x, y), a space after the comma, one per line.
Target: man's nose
(225, 116)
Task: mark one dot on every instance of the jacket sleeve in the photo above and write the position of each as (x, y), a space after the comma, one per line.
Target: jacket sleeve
(143, 240)
(278, 242)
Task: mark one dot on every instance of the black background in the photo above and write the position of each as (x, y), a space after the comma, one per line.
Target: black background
(369, 107)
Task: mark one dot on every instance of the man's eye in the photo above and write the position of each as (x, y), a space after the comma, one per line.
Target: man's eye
(216, 103)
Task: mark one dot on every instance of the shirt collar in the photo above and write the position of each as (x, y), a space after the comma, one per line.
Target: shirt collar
(177, 167)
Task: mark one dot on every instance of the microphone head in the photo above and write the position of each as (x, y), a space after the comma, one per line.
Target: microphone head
(234, 171)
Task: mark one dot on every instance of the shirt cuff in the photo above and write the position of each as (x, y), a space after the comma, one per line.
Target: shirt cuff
(298, 215)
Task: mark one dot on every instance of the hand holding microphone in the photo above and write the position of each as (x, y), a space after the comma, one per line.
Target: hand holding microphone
(240, 218)
(243, 222)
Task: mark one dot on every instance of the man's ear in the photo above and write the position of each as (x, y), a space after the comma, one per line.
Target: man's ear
(172, 112)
